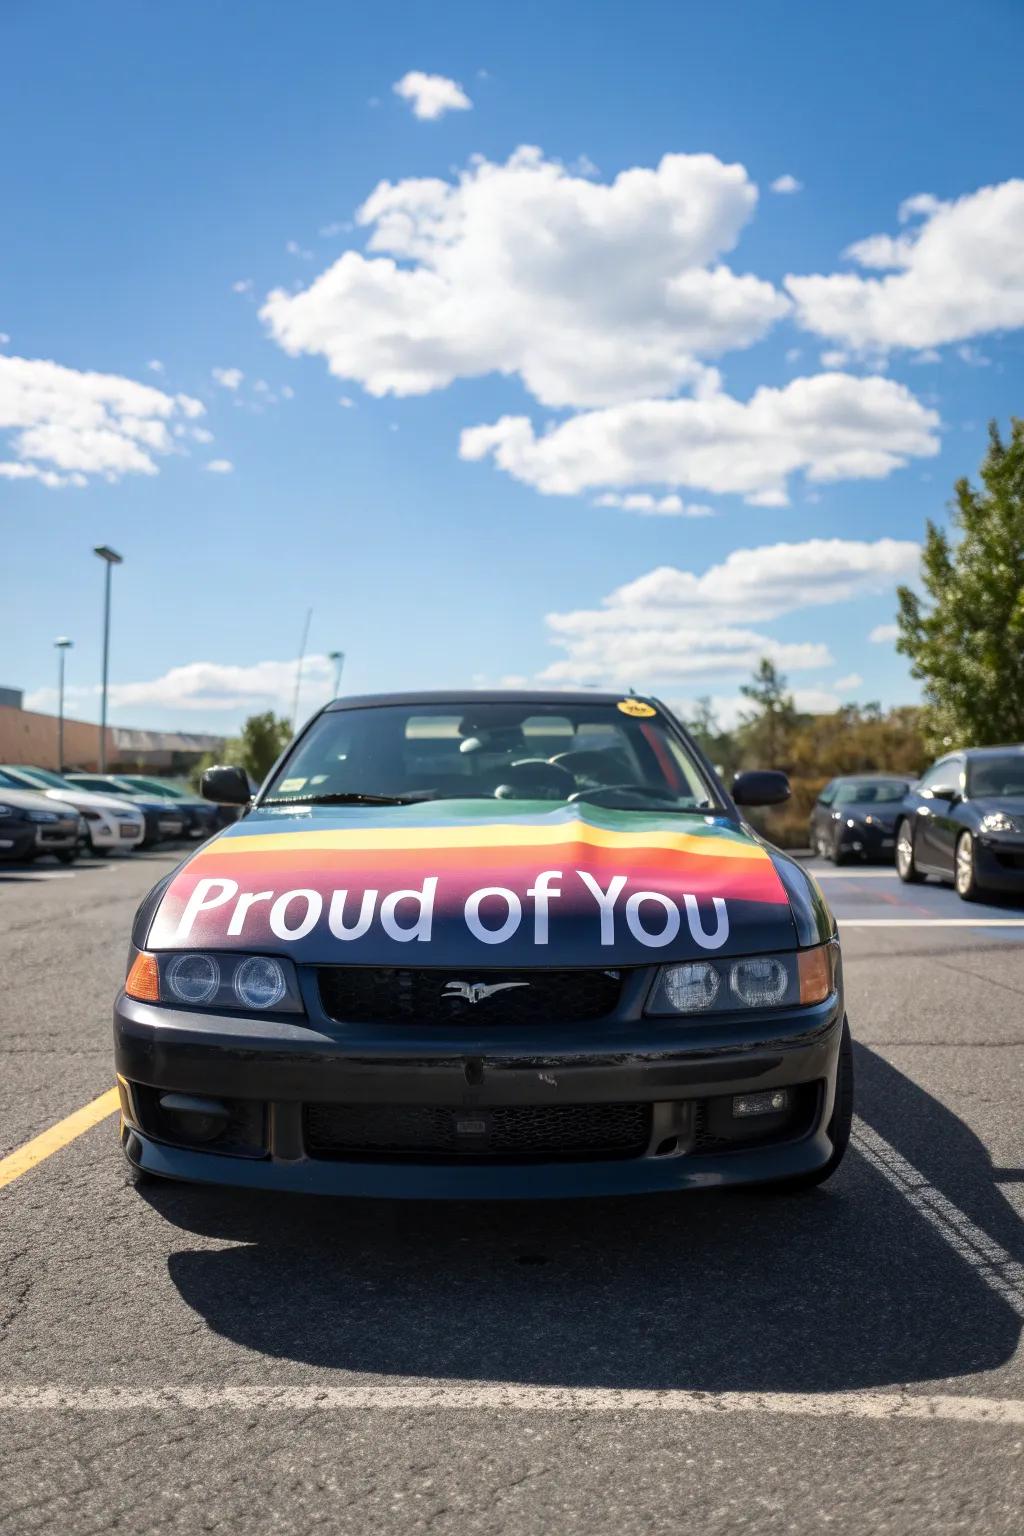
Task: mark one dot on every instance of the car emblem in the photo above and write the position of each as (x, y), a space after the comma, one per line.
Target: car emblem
(476, 991)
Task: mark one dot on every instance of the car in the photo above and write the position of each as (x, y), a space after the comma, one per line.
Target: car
(201, 818)
(855, 816)
(110, 824)
(964, 822)
(478, 945)
(31, 825)
(162, 818)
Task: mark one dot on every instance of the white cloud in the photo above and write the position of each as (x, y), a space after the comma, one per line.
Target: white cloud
(431, 96)
(592, 293)
(295, 249)
(787, 184)
(957, 273)
(4, 338)
(673, 623)
(201, 435)
(654, 506)
(243, 285)
(227, 378)
(220, 467)
(212, 686)
(849, 683)
(831, 426)
(155, 365)
(66, 425)
(885, 634)
(833, 360)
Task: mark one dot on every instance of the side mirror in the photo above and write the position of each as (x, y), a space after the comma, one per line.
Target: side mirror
(225, 785)
(760, 786)
(945, 792)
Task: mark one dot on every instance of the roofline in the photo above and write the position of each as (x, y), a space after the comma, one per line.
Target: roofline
(485, 696)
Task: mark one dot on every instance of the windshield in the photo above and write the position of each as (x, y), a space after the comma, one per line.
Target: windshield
(871, 792)
(153, 787)
(616, 755)
(1001, 776)
(31, 778)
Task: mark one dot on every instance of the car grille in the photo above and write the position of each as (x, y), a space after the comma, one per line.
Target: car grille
(358, 995)
(512, 1132)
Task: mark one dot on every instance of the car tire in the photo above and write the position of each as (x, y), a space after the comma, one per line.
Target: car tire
(906, 862)
(66, 856)
(839, 1126)
(965, 874)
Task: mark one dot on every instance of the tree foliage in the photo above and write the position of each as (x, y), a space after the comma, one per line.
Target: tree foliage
(256, 748)
(965, 637)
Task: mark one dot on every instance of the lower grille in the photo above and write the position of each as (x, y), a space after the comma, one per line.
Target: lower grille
(367, 995)
(716, 1130)
(506, 1131)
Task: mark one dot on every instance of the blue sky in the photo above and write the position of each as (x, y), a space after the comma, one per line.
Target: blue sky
(169, 166)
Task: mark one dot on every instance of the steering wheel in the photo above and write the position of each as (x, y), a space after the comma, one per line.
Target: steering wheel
(535, 776)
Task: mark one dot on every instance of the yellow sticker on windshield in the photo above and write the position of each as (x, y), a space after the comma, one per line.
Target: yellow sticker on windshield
(637, 708)
(291, 786)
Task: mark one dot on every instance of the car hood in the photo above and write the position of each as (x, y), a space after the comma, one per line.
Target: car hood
(469, 882)
(33, 800)
(885, 810)
(86, 800)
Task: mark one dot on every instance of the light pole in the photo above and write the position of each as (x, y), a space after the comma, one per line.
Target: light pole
(338, 657)
(110, 557)
(63, 645)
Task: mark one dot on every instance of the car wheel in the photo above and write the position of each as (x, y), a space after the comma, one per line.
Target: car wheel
(906, 864)
(839, 1126)
(965, 878)
(66, 856)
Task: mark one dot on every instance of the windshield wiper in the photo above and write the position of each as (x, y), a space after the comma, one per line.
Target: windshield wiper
(348, 797)
(656, 800)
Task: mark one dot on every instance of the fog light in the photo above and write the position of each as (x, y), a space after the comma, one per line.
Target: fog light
(195, 1119)
(772, 1103)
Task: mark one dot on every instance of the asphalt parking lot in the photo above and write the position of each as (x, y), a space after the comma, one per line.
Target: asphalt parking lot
(177, 1358)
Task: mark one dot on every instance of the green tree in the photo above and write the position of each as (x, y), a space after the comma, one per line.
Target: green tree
(256, 748)
(965, 637)
(765, 732)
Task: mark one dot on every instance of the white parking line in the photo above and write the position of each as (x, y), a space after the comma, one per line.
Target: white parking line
(930, 922)
(36, 874)
(507, 1397)
(999, 1270)
(853, 874)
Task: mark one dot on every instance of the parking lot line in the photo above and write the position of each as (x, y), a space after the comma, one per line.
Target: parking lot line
(36, 1151)
(506, 1397)
(931, 922)
(997, 1268)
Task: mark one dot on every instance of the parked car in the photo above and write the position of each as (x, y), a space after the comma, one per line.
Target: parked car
(487, 945)
(31, 825)
(163, 819)
(855, 817)
(109, 823)
(964, 822)
(202, 818)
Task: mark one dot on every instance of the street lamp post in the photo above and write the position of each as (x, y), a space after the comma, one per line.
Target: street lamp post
(338, 657)
(110, 557)
(63, 645)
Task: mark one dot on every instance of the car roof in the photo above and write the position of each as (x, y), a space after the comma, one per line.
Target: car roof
(1011, 746)
(874, 773)
(471, 696)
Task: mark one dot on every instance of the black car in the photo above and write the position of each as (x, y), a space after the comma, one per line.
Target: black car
(32, 825)
(855, 817)
(163, 818)
(486, 945)
(964, 822)
(201, 818)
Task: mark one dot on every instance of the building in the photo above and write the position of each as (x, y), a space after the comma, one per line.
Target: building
(31, 738)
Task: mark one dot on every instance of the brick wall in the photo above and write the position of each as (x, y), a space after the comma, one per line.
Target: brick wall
(29, 738)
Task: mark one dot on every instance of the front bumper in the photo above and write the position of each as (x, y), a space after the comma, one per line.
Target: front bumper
(999, 864)
(110, 833)
(16, 839)
(273, 1072)
(869, 842)
(58, 837)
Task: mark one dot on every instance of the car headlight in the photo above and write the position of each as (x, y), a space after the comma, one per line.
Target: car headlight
(796, 979)
(199, 979)
(998, 821)
(7, 810)
(43, 816)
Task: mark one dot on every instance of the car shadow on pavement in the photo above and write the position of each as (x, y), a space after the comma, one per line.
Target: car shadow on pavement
(846, 1287)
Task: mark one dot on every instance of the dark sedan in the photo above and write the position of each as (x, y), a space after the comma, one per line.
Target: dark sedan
(855, 817)
(162, 816)
(964, 822)
(201, 818)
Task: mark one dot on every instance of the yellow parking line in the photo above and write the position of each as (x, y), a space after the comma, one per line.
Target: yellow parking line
(48, 1142)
